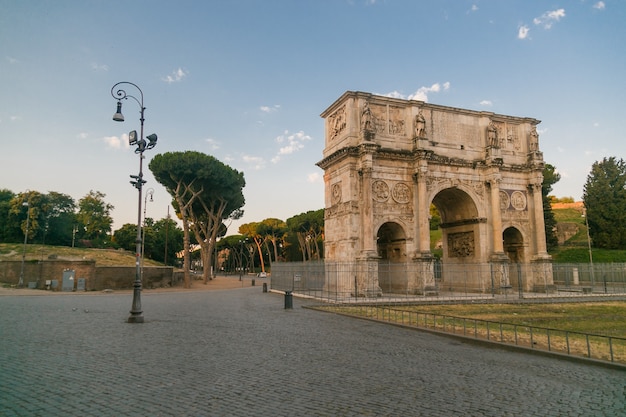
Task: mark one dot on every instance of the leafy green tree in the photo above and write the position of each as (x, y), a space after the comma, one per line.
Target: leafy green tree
(58, 219)
(435, 218)
(252, 231)
(234, 252)
(309, 230)
(168, 241)
(125, 237)
(550, 177)
(94, 218)
(51, 217)
(26, 209)
(9, 230)
(273, 230)
(205, 191)
(604, 195)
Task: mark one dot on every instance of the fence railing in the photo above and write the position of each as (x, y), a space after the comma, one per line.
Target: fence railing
(593, 346)
(339, 281)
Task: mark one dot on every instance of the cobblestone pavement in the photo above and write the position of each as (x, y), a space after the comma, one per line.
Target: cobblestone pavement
(240, 353)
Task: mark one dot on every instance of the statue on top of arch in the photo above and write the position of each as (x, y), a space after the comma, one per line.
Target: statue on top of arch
(420, 125)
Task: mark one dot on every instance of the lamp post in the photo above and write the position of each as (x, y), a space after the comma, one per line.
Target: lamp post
(21, 280)
(589, 245)
(150, 193)
(136, 313)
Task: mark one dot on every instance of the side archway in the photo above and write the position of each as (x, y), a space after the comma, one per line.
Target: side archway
(391, 247)
(513, 244)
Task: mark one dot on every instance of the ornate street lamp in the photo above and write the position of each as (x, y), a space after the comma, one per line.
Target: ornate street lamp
(21, 281)
(136, 313)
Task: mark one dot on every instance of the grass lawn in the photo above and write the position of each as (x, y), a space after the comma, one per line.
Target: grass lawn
(519, 324)
(605, 318)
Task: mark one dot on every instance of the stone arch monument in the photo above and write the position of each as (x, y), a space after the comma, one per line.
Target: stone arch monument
(386, 160)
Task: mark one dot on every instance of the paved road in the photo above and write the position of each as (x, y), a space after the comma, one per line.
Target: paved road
(239, 353)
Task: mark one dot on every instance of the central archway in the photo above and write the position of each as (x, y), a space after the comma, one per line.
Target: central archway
(461, 234)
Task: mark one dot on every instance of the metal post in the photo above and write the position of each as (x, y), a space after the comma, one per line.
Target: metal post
(21, 280)
(136, 313)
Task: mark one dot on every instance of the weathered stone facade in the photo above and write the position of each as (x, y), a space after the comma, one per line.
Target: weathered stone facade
(386, 160)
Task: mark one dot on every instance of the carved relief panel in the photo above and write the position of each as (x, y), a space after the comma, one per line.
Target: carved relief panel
(461, 245)
(337, 122)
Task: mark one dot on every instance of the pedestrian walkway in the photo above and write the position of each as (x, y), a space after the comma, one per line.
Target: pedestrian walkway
(238, 352)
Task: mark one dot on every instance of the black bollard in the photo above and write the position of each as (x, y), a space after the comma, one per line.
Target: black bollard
(253, 282)
(265, 287)
(288, 300)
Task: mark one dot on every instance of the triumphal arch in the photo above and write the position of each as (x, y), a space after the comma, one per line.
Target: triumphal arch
(387, 160)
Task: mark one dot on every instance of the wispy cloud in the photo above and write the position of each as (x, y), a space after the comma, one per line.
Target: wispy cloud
(486, 103)
(522, 32)
(213, 144)
(115, 142)
(549, 18)
(422, 93)
(270, 109)
(314, 177)
(293, 143)
(599, 5)
(82, 135)
(474, 8)
(254, 162)
(12, 60)
(176, 76)
(99, 67)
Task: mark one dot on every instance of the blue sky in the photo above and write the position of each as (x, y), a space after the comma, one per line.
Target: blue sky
(246, 81)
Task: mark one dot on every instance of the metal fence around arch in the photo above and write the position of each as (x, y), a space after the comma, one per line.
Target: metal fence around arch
(340, 281)
(392, 301)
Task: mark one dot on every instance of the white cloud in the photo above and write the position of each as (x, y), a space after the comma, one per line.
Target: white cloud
(15, 118)
(474, 8)
(99, 67)
(115, 142)
(522, 32)
(395, 94)
(213, 144)
(548, 18)
(486, 103)
(314, 177)
(422, 93)
(254, 162)
(176, 76)
(12, 60)
(82, 135)
(270, 109)
(294, 142)
(599, 5)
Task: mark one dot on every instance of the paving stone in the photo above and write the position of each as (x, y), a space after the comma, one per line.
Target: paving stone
(240, 353)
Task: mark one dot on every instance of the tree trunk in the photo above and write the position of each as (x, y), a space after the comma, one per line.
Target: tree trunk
(186, 255)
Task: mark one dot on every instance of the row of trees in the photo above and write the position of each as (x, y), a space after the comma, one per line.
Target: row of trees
(55, 218)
